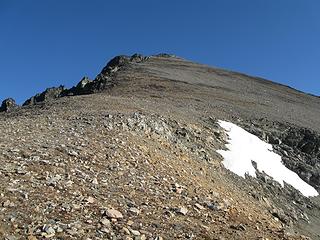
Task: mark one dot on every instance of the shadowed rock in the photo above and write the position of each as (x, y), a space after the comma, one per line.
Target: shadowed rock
(48, 94)
(8, 105)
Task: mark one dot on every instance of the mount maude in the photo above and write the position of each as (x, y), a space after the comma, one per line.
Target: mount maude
(139, 152)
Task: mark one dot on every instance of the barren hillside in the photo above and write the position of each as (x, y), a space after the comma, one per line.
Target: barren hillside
(132, 154)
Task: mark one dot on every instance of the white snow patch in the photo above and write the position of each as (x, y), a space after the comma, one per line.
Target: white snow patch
(245, 147)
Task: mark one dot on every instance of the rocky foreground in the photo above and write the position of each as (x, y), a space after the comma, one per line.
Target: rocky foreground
(132, 155)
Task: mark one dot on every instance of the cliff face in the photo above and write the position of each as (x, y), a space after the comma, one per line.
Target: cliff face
(132, 154)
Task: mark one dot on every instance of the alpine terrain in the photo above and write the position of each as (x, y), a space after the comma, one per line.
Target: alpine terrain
(159, 147)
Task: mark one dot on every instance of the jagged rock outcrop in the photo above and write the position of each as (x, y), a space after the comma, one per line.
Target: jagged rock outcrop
(87, 86)
(83, 87)
(8, 105)
(114, 64)
(120, 61)
(48, 94)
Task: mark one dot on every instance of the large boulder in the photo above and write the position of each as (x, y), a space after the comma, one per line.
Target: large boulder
(8, 105)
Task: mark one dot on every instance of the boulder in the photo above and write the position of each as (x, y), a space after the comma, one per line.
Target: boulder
(8, 105)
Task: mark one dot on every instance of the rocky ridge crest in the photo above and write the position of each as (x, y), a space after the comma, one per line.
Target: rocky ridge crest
(85, 86)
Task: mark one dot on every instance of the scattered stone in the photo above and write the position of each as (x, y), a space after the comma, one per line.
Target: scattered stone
(199, 206)
(105, 230)
(95, 181)
(126, 230)
(105, 222)
(48, 231)
(134, 210)
(32, 238)
(8, 203)
(177, 188)
(76, 206)
(113, 213)
(90, 199)
(182, 210)
(130, 222)
(240, 227)
(135, 232)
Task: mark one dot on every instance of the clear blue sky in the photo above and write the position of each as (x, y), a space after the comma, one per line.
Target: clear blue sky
(46, 43)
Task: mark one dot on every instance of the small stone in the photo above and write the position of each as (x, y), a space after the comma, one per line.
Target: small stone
(32, 238)
(73, 153)
(179, 190)
(59, 229)
(135, 232)
(126, 230)
(105, 222)
(95, 181)
(130, 222)
(134, 210)
(182, 210)
(113, 213)
(240, 227)
(72, 231)
(76, 206)
(90, 199)
(105, 230)
(49, 230)
(7, 204)
(198, 206)
(11, 237)
(158, 238)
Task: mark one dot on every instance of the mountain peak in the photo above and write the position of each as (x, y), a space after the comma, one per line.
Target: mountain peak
(159, 147)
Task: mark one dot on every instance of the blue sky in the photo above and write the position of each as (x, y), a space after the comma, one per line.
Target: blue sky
(53, 42)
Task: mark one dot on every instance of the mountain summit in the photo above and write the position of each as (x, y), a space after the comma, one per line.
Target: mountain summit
(159, 147)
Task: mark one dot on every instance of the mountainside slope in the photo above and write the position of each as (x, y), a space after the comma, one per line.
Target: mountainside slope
(132, 155)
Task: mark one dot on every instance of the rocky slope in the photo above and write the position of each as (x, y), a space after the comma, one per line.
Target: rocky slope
(132, 155)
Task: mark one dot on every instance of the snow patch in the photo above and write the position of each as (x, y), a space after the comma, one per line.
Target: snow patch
(244, 148)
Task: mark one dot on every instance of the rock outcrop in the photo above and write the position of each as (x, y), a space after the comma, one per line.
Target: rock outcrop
(87, 86)
(48, 94)
(299, 147)
(8, 105)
